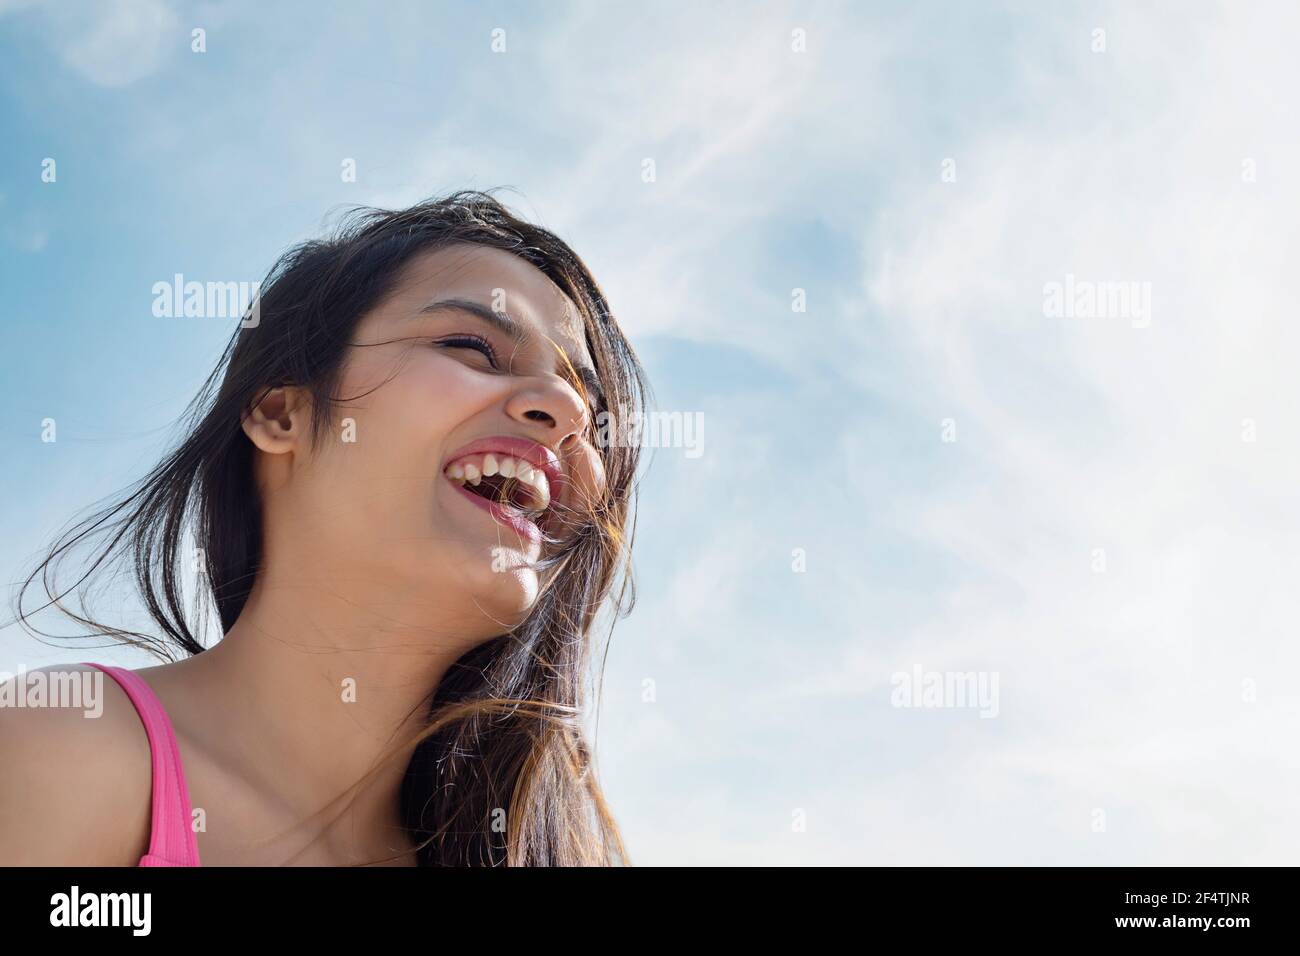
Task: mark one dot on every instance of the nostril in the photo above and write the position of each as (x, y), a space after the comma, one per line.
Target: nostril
(539, 416)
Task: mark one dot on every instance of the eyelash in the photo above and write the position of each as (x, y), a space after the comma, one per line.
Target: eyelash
(471, 341)
(482, 345)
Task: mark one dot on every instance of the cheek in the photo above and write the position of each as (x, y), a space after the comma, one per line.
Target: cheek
(587, 473)
(403, 411)
(434, 384)
(371, 479)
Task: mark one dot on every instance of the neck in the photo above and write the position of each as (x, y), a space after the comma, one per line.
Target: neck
(330, 671)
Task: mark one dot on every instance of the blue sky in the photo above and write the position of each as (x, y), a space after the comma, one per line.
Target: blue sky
(1122, 690)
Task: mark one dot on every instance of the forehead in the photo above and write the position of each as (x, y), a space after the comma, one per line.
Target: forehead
(499, 280)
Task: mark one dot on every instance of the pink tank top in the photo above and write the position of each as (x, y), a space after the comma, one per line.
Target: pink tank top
(171, 838)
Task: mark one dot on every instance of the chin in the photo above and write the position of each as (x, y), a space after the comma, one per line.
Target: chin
(506, 597)
(517, 594)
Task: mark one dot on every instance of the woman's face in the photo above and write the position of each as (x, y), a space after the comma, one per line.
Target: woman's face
(436, 393)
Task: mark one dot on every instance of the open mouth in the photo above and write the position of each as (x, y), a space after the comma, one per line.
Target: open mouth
(511, 484)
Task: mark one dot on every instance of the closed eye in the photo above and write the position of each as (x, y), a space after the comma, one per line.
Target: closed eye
(474, 342)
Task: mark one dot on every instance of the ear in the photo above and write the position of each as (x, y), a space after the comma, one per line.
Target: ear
(278, 422)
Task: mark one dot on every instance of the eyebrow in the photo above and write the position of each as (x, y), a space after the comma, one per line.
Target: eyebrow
(517, 331)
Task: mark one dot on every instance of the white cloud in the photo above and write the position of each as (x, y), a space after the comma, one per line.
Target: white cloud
(1158, 693)
(1122, 689)
(118, 42)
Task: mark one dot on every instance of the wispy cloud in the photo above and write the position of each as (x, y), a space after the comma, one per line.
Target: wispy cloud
(1156, 689)
(111, 43)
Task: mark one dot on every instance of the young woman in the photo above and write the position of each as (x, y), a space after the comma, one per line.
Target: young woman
(396, 498)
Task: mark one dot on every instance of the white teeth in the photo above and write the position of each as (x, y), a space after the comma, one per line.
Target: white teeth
(541, 489)
(535, 478)
(507, 467)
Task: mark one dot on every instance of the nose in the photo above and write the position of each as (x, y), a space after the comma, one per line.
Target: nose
(553, 404)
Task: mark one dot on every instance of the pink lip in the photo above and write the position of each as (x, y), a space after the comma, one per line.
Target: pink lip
(536, 454)
(525, 527)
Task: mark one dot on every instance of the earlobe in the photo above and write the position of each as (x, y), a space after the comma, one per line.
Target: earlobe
(275, 422)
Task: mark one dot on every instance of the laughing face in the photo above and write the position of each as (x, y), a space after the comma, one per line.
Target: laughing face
(462, 439)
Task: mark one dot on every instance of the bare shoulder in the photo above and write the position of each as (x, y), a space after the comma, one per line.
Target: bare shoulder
(75, 770)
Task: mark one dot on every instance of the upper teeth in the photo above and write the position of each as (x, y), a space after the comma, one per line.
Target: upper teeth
(474, 468)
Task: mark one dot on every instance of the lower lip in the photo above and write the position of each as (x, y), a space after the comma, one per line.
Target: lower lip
(520, 524)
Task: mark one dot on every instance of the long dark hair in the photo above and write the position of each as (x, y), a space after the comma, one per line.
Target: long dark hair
(502, 774)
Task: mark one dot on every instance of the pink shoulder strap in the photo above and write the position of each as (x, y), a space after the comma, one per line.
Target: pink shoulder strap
(171, 841)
